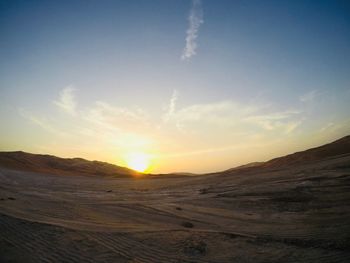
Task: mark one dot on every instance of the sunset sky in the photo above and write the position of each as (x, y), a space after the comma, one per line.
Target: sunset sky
(196, 86)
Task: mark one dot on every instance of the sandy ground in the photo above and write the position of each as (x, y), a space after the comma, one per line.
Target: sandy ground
(292, 214)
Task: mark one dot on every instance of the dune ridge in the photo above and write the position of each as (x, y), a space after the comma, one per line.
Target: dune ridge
(20, 160)
(278, 213)
(56, 165)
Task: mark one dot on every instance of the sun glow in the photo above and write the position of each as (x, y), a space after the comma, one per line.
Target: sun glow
(138, 161)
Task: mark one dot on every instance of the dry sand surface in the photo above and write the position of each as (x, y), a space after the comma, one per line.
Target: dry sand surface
(298, 213)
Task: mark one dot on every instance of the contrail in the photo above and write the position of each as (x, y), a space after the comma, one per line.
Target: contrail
(195, 20)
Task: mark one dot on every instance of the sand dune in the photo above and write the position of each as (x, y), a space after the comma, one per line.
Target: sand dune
(44, 163)
(339, 147)
(297, 212)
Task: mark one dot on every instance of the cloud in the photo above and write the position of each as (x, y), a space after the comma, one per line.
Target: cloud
(41, 122)
(229, 117)
(171, 107)
(208, 129)
(216, 114)
(235, 146)
(292, 125)
(328, 126)
(119, 127)
(309, 96)
(66, 101)
(206, 119)
(195, 20)
(286, 121)
(116, 118)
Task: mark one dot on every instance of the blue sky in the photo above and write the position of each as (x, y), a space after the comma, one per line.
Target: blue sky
(197, 85)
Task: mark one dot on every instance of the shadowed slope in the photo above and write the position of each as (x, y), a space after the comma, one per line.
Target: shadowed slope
(56, 165)
(338, 147)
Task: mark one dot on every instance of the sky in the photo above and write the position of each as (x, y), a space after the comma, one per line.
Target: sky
(195, 86)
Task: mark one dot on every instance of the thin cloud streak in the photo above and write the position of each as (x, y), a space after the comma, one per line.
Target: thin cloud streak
(41, 122)
(116, 118)
(286, 121)
(309, 96)
(195, 20)
(67, 101)
(235, 146)
(172, 107)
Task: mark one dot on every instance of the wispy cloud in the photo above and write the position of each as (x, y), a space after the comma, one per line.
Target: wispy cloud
(195, 20)
(210, 129)
(286, 121)
(233, 117)
(41, 121)
(119, 127)
(171, 107)
(215, 115)
(235, 146)
(328, 126)
(116, 118)
(67, 101)
(309, 96)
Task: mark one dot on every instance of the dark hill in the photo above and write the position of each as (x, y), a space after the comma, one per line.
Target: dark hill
(72, 166)
(336, 148)
(56, 165)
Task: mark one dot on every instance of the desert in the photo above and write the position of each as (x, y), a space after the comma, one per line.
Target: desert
(290, 209)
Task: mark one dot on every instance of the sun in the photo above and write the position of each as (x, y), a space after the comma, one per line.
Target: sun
(138, 161)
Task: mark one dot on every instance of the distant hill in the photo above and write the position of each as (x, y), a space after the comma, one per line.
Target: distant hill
(338, 147)
(248, 165)
(63, 166)
(73, 166)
